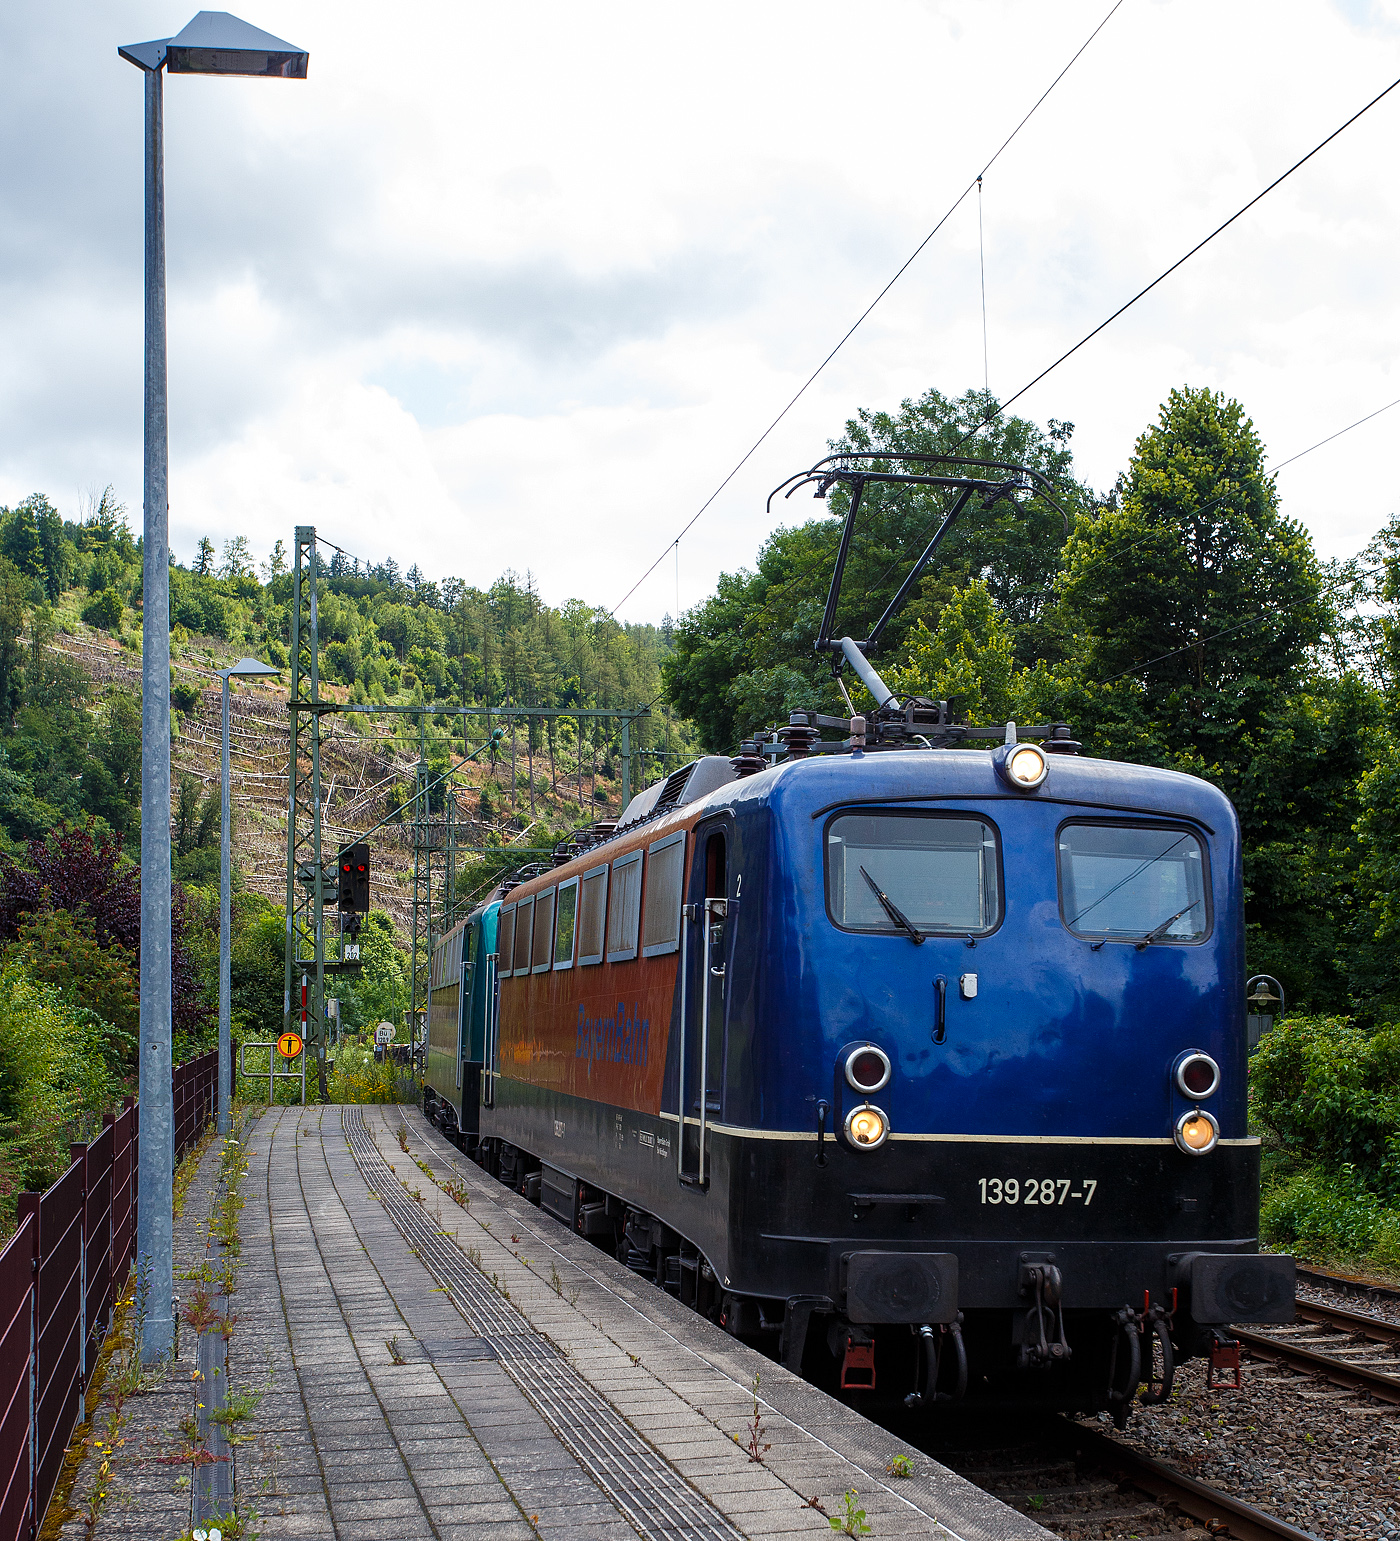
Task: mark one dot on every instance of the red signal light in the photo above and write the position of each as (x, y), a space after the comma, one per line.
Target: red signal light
(867, 1068)
(1198, 1075)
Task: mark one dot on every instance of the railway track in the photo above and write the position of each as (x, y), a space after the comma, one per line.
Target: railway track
(1085, 1485)
(1346, 1348)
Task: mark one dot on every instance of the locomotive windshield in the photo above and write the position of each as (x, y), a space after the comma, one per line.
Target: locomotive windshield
(1133, 884)
(939, 872)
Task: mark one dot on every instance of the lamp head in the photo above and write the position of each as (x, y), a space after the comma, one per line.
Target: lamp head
(249, 668)
(216, 43)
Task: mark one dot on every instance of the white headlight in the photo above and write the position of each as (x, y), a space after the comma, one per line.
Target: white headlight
(1022, 766)
(1026, 765)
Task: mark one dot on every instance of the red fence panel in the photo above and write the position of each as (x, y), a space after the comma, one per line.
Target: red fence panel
(60, 1274)
(58, 1335)
(195, 1086)
(17, 1262)
(123, 1128)
(179, 1082)
(123, 1191)
(97, 1242)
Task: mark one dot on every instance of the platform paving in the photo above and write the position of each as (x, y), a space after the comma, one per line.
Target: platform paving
(454, 1440)
(545, 1391)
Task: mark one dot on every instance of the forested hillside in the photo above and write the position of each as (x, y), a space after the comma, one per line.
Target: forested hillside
(70, 754)
(67, 743)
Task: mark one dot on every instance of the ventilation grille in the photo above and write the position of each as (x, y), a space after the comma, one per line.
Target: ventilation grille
(673, 793)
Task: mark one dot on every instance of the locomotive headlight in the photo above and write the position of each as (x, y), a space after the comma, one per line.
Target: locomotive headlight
(1197, 1133)
(866, 1127)
(1022, 766)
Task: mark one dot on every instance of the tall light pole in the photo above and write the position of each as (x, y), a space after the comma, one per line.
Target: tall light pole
(245, 668)
(214, 43)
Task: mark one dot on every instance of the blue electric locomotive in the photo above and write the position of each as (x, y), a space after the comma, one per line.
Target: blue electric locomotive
(923, 1066)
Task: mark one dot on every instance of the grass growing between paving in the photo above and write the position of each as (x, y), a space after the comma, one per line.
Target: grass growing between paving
(212, 1284)
(1325, 1097)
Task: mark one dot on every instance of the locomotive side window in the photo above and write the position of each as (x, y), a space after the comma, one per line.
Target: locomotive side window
(661, 915)
(505, 942)
(524, 922)
(939, 872)
(592, 912)
(565, 915)
(625, 910)
(542, 953)
(1121, 882)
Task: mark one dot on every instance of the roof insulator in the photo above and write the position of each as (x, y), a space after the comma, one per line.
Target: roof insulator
(799, 736)
(748, 762)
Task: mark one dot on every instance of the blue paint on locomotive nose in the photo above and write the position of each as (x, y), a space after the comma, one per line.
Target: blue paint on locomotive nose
(1067, 1035)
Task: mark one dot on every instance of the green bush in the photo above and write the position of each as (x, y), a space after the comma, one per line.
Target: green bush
(55, 1081)
(104, 610)
(1330, 1217)
(359, 1077)
(1330, 1092)
(197, 605)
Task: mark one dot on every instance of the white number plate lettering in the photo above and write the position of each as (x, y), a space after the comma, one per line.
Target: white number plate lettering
(1052, 1191)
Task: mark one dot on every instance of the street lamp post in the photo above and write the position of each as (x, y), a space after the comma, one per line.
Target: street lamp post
(245, 668)
(214, 43)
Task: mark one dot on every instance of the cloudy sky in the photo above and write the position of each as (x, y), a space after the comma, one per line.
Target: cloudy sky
(516, 286)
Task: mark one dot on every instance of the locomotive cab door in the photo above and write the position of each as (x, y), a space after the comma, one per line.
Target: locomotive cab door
(705, 950)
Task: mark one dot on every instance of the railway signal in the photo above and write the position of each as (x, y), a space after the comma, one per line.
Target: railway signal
(353, 893)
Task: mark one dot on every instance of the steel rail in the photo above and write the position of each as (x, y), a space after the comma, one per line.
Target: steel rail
(1346, 1284)
(1358, 1322)
(1169, 1487)
(1354, 1377)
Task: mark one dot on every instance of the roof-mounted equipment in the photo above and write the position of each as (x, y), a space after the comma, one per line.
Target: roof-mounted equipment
(908, 721)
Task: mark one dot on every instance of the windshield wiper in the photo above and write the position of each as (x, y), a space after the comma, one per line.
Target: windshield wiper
(1157, 932)
(893, 910)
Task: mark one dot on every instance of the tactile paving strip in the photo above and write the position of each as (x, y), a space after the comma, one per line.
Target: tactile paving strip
(646, 1489)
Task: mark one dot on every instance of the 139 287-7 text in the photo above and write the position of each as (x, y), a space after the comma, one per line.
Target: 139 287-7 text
(1037, 1190)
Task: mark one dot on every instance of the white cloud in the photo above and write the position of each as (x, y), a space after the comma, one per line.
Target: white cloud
(501, 287)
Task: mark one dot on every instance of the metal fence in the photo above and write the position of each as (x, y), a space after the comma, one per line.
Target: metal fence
(60, 1277)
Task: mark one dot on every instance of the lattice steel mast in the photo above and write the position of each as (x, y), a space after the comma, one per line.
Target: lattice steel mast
(305, 950)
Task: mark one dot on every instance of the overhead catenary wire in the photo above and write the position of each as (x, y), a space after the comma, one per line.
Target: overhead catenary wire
(1337, 435)
(1001, 407)
(1180, 261)
(855, 326)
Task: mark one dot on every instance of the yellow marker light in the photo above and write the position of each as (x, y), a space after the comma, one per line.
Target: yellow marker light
(866, 1127)
(1196, 1133)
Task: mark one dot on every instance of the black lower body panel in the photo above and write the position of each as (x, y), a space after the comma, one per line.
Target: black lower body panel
(869, 1246)
(1115, 1218)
